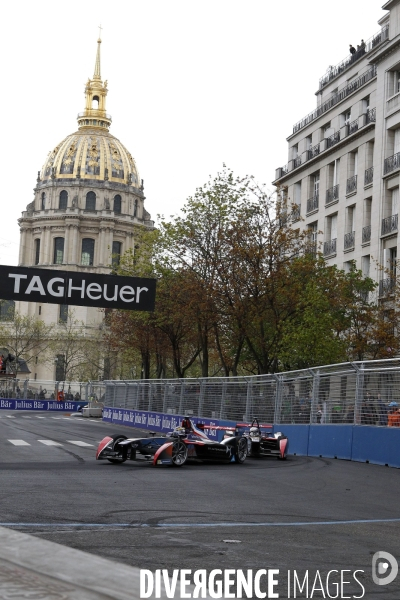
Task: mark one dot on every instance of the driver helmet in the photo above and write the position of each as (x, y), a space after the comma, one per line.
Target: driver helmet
(254, 431)
(229, 433)
(179, 431)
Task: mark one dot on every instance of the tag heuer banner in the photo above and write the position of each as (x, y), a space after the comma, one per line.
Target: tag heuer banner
(76, 289)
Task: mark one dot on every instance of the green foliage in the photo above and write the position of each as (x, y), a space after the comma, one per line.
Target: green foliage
(239, 292)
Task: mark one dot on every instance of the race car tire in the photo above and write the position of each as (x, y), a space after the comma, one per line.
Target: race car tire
(179, 453)
(117, 438)
(241, 450)
(281, 457)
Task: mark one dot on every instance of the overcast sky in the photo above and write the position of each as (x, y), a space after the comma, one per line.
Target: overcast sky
(192, 85)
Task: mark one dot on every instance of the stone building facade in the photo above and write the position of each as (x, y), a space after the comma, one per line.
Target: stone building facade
(88, 203)
(343, 169)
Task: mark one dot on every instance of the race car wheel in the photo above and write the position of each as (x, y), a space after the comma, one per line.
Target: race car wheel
(179, 453)
(241, 450)
(117, 438)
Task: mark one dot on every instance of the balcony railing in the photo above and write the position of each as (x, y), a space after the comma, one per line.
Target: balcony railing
(351, 184)
(369, 176)
(349, 240)
(386, 286)
(312, 203)
(285, 169)
(330, 247)
(333, 139)
(332, 194)
(392, 163)
(366, 234)
(389, 224)
(314, 151)
(296, 162)
(371, 115)
(353, 126)
(340, 95)
(345, 64)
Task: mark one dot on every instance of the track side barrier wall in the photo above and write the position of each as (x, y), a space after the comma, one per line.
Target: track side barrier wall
(52, 405)
(360, 443)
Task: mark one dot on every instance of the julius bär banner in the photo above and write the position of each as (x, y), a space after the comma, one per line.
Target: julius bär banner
(76, 288)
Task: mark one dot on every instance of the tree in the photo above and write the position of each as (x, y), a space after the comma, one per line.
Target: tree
(27, 338)
(71, 346)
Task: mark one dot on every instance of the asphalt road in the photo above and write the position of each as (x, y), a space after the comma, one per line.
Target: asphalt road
(298, 515)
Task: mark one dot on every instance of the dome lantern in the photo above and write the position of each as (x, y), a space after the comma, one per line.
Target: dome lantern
(96, 91)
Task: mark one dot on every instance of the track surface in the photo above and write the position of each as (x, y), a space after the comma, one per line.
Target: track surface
(300, 514)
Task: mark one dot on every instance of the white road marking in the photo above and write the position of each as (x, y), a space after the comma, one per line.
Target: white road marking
(19, 442)
(77, 443)
(56, 417)
(10, 417)
(40, 417)
(49, 443)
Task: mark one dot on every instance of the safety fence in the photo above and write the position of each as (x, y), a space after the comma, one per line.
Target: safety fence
(356, 393)
(33, 389)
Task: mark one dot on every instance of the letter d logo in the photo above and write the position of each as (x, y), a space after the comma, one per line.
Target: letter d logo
(381, 561)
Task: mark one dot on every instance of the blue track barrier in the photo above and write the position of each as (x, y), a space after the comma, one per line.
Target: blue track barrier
(377, 445)
(16, 404)
(331, 441)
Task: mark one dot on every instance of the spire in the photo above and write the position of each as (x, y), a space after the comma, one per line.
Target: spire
(97, 72)
(96, 90)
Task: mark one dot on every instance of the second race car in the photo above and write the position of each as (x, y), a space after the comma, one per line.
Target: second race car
(186, 442)
(262, 441)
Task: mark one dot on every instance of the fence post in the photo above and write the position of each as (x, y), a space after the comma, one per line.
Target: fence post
(359, 392)
(25, 389)
(181, 396)
(149, 398)
(201, 398)
(165, 397)
(222, 412)
(315, 396)
(137, 395)
(126, 394)
(248, 401)
(278, 399)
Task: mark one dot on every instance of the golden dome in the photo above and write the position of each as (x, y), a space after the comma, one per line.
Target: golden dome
(92, 152)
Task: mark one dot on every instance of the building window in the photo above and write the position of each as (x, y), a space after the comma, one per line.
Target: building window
(62, 204)
(7, 310)
(116, 253)
(135, 208)
(345, 118)
(40, 310)
(87, 252)
(43, 201)
(37, 251)
(117, 204)
(58, 251)
(63, 316)
(90, 201)
(60, 367)
(365, 265)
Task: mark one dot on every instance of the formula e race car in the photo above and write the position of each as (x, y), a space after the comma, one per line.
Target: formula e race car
(186, 442)
(261, 441)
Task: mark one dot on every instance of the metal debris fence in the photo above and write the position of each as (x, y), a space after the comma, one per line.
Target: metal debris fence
(354, 393)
